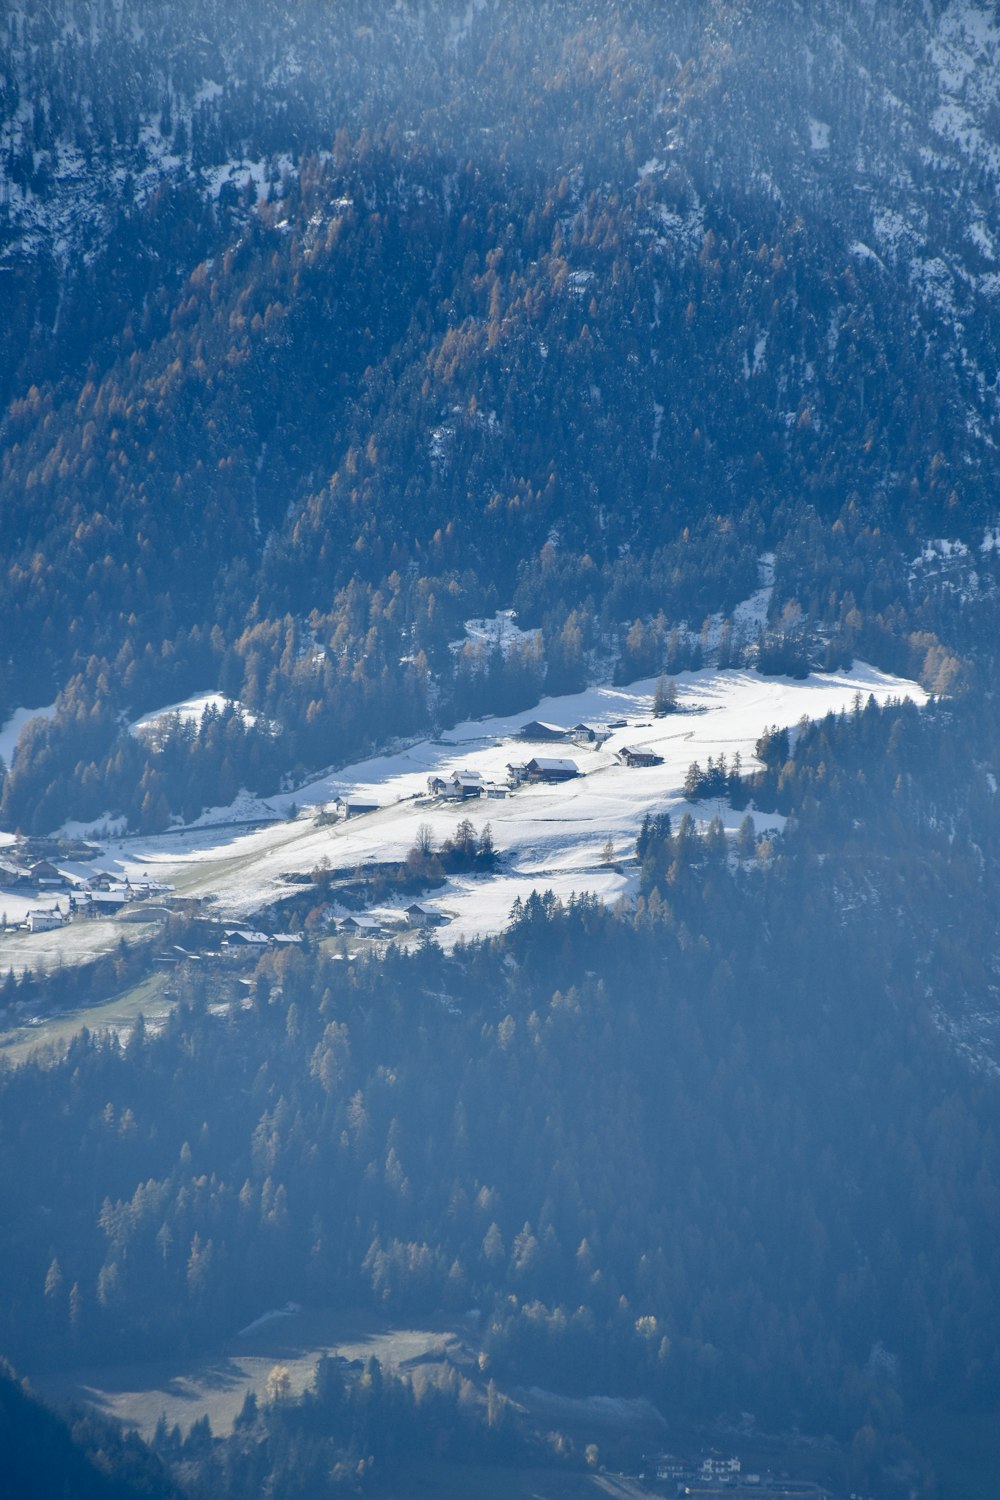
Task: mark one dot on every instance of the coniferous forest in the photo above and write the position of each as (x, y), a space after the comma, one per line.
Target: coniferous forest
(324, 329)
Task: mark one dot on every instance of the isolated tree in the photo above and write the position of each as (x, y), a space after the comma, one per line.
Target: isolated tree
(247, 1414)
(279, 1384)
(693, 782)
(665, 697)
(746, 839)
(424, 841)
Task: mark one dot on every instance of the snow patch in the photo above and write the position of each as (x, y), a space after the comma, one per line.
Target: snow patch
(759, 351)
(865, 252)
(819, 135)
(190, 710)
(657, 426)
(501, 632)
(11, 731)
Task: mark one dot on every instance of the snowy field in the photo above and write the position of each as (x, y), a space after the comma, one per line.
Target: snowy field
(549, 837)
(78, 943)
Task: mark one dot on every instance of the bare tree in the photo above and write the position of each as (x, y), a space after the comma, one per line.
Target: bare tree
(424, 842)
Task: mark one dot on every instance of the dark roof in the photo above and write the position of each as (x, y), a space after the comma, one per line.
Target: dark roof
(638, 752)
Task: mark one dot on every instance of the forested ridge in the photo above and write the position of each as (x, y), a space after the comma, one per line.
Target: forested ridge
(717, 1150)
(541, 314)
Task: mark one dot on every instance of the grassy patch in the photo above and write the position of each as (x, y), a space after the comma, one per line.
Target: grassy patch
(117, 1013)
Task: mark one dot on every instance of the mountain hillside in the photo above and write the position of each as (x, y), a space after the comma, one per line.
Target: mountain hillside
(375, 379)
(346, 323)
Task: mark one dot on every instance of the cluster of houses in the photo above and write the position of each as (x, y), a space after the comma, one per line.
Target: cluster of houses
(690, 1476)
(577, 734)
(35, 875)
(105, 896)
(247, 937)
(416, 917)
(101, 895)
(584, 735)
(243, 946)
(461, 786)
(719, 1476)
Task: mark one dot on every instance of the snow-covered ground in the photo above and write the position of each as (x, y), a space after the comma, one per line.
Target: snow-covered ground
(550, 837)
(10, 733)
(190, 710)
(78, 943)
(502, 630)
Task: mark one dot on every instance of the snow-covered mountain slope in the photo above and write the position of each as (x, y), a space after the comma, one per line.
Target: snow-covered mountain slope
(882, 118)
(856, 145)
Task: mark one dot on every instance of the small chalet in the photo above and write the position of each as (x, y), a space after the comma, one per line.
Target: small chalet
(12, 875)
(360, 927)
(45, 875)
(496, 790)
(458, 787)
(44, 921)
(584, 734)
(350, 807)
(245, 937)
(105, 899)
(468, 783)
(422, 916)
(516, 774)
(539, 730)
(541, 769)
(629, 755)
